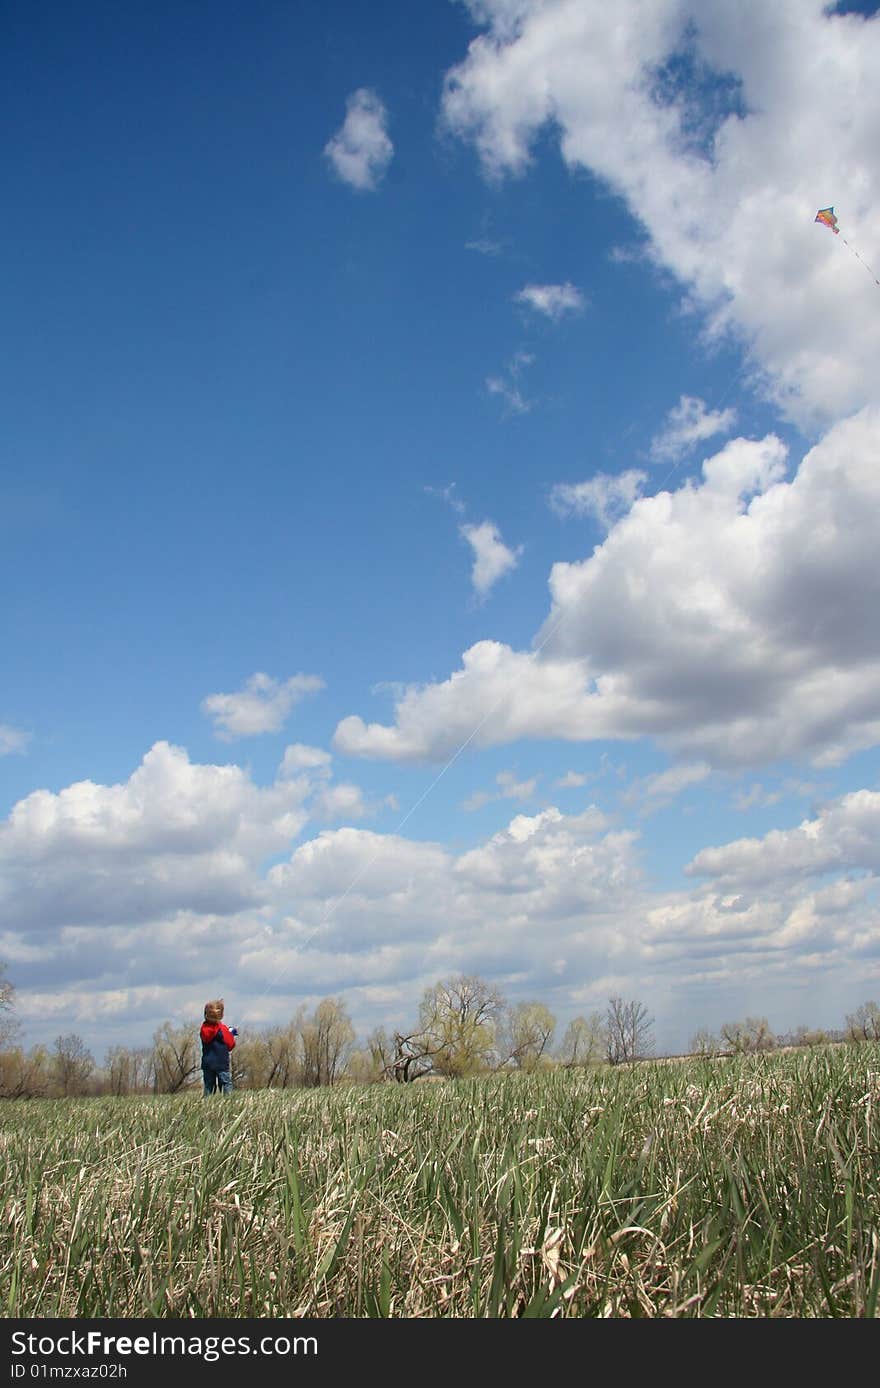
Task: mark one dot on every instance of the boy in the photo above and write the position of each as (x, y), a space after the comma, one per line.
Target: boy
(217, 1042)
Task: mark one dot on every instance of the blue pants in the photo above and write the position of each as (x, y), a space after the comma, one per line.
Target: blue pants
(217, 1081)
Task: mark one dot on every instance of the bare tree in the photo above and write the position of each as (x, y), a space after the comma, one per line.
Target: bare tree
(175, 1057)
(326, 1040)
(629, 1031)
(703, 1042)
(72, 1064)
(129, 1070)
(752, 1034)
(584, 1040)
(864, 1023)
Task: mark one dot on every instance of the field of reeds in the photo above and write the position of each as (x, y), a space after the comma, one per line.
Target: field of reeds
(738, 1187)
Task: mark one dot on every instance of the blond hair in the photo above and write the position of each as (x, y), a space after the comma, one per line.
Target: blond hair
(214, 1010)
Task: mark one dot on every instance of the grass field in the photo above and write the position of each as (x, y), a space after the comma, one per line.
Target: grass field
(735, 1187)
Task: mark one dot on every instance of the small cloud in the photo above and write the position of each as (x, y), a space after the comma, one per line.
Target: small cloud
(447, 494)
(687, 424)
(512, 789)
(12, 740)
(511, 394)
(570, 780)
(509, 788)
(506, 385)
(299, 757)
(261, 707)
(484, 246)
(343, 801)
(553, 300)
(603, 496)
(652, 793)
(492, 557)
(361, 149)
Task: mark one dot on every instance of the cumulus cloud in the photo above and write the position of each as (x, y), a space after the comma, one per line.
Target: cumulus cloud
(117, 901)
(704, 119)
(492, 557)
(552, 300)
(844, 836)
(262, 706)
(688, 424)
(736, 620)
(361, 149)
(12, 740)
(174, 837)
(605, 496)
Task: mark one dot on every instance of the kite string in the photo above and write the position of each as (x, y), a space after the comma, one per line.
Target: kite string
(338, 901)
(859, 258)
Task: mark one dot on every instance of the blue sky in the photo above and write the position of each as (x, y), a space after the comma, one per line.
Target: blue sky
(438, 509)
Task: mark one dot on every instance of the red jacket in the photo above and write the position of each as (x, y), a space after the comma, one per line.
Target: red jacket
(215, 1036)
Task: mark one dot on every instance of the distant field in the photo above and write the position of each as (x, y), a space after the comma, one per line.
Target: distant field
(735, 1187)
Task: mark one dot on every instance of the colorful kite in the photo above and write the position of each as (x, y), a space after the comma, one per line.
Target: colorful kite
(826, 216)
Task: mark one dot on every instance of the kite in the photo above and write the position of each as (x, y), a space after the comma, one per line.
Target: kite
(826, 216)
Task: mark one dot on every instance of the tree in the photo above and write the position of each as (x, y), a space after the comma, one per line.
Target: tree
(25, 1076)
(584, 1040)
(703, 1042)
(326, 1040)
(752, 1034)
(72, 1064)
(528, 1031)
(8, 1024)
(629, 1031)
(129, 1070)
(174, 1056)
(864, 1023)
(458, 1021)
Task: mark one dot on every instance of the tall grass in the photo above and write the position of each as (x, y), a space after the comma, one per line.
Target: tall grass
(737, 1187)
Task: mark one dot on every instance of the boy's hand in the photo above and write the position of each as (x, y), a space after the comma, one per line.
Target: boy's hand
(233, 1031)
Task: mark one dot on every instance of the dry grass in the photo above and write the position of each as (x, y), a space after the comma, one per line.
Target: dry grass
(738, 1187)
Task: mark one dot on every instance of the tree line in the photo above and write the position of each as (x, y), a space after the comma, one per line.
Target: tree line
(464, 1027)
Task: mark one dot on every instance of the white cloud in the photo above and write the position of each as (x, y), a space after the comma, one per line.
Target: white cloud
(492, 557)
(510, 393)
(726, 194)
(447, 494)
(361, 149)
(652, 793)
(341, 801)
(570, 780)
(117, 902)
(844, 836)
(736, 620)
(174, 837)
(261, 707)
(509, 788)
(12, 740)
(607, 497)
(507, 385)
(552, 300)
(687, 424)
(300, 757)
